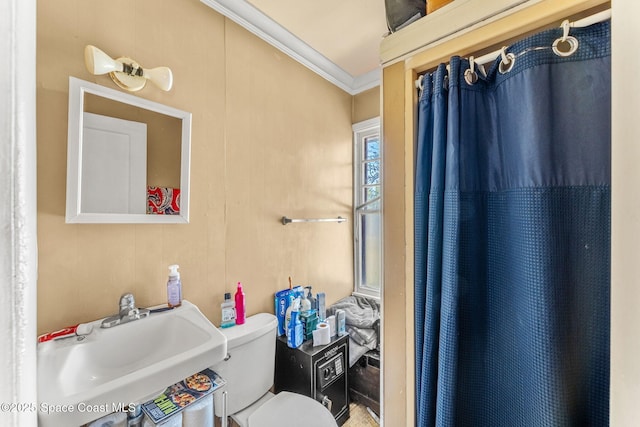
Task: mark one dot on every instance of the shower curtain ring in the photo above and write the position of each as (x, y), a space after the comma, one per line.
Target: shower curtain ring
(565, 45)
(565, 30)
(470, 75)
(419, 82)
(507, 62)
(503, 54)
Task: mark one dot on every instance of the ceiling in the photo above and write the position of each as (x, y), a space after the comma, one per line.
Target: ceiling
(338, 39)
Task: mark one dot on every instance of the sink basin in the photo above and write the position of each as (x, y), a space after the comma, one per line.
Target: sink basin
(81, 380)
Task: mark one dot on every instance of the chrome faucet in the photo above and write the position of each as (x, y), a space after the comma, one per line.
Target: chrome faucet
(127, 313)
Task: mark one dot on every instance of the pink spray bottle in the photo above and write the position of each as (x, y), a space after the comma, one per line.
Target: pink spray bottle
(240, 312)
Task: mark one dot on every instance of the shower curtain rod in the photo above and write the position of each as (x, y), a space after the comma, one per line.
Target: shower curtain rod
(584, 22)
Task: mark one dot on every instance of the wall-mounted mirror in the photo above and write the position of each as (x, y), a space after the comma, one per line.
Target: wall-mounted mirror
(128, 158)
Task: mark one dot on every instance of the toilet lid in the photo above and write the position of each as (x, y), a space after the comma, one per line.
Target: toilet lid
(292, 410)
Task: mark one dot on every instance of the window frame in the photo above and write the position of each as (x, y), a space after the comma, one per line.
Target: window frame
(362, 131)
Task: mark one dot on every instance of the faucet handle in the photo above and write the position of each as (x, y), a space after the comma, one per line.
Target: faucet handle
(127, 302)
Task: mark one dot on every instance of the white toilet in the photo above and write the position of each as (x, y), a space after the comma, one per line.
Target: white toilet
(249, 371)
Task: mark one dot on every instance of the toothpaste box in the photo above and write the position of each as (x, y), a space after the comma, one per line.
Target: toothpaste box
(282, 301)
(322, 309)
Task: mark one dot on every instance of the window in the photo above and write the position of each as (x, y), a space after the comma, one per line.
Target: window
(367, 214)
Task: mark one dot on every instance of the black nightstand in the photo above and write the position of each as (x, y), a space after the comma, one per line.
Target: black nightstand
(318, 372)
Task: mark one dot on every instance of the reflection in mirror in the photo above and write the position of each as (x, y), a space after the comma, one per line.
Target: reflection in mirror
(128, 158)
(114, 165)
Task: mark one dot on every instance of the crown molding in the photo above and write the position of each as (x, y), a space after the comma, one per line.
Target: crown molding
(366, 81)
(256, 22)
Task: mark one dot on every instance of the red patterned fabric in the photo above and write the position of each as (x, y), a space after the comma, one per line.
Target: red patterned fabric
(163, 200)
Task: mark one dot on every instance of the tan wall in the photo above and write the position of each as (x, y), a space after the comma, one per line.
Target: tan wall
(397, 311)
(269, 138)
(366, 105)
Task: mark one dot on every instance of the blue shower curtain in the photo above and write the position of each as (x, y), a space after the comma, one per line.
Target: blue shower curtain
(512, 239)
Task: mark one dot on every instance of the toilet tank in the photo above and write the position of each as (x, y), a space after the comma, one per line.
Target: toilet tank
(250, 363)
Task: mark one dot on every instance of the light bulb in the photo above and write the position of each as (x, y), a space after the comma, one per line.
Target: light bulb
(98, 62)
(160, 76)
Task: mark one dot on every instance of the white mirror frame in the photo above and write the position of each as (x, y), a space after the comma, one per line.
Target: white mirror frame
(77, 90)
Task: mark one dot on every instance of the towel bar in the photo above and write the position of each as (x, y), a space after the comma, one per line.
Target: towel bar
(286, 220)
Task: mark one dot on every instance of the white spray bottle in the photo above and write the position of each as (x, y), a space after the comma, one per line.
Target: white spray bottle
(174, 287)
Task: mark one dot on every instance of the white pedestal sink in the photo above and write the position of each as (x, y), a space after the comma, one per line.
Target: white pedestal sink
(82, 380)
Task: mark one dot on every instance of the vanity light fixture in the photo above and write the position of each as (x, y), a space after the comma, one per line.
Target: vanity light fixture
(125, 72)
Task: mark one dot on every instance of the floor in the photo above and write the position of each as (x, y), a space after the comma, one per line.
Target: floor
(359, 417)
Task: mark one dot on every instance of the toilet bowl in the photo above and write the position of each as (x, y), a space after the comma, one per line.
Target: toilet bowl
(249, 371)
